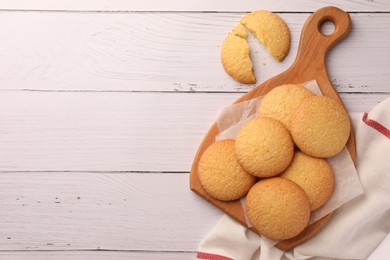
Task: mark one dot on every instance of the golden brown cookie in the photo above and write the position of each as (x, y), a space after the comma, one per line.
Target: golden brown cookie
(271, 30)
(235, 56)
(221, 175)
(313, 175)
(264, 147)
(320, 126)
(277, 208)
(281, 101)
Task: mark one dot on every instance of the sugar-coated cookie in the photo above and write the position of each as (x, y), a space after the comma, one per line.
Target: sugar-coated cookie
(313, 175)
(320, 126)
(235, 56)
(277, 208)
(271, 30)
(281, 101)
(264, 147)
(221, 175)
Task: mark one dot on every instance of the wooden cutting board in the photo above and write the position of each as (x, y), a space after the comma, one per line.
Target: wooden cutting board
(309, 64)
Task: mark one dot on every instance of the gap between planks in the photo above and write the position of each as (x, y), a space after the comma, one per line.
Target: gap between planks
(98, 172)
(201, 5)
(98, 250)
(166, 92)
(171, 12)
(96, 255)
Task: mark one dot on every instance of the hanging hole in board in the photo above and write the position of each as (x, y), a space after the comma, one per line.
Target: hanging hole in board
(327, 27)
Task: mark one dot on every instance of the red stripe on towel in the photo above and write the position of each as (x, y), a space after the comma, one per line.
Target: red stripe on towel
(377, 126)
(209, 256)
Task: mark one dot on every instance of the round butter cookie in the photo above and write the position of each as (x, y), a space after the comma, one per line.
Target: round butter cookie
(277, 208)
(313, 175)
(235, 56)
(264, 147)
(320, 126)
(281, 101)
(270, 30)
(221, 175)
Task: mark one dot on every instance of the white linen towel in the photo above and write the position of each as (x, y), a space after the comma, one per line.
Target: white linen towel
(354, 230)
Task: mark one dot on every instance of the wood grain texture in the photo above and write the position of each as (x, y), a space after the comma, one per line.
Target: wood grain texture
(113, 131)
(167, 52)
(105, 211)
(95, 255)
(200, 5)
(309, 64)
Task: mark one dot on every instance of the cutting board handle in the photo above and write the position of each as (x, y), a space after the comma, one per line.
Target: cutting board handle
(312, 35)
(313, 46)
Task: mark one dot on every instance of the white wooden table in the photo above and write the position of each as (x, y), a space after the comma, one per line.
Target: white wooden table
(104, 103)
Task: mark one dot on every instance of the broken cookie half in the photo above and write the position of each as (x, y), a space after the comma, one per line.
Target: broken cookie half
(235, 56)
(269, 29)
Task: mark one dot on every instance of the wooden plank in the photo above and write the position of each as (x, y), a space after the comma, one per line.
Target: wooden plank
(104, 131)
(111, 131)
(84, 211)
(94, 255)
(200, 5)
(167, 52)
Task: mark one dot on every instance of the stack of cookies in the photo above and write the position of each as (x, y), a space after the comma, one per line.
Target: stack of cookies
(278, 160)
